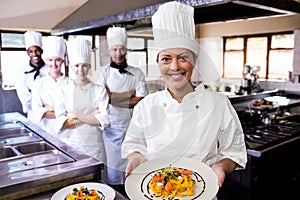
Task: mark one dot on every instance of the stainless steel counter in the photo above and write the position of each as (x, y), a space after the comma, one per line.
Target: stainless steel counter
(33, 161)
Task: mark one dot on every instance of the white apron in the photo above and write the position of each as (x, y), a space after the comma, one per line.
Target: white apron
(119, 118)
(86, 137)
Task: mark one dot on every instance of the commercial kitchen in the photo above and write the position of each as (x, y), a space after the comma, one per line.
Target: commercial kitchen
(34, 164)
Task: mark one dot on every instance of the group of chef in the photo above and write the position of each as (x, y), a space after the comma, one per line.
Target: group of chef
(114, 119)
(78, 111)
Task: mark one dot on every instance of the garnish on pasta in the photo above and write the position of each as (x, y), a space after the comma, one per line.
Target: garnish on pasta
(83, 193)
(172, 182)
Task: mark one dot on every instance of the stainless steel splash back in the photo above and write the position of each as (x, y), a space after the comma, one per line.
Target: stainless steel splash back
(32, 161)
(133, 17)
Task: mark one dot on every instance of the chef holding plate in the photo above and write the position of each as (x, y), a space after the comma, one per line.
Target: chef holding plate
(183, 120)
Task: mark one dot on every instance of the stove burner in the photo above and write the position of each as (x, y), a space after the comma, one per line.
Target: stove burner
(260, 136)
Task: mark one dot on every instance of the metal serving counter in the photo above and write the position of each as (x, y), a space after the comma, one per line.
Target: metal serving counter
(33, 161)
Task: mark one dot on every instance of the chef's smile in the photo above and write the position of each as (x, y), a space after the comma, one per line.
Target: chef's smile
(177, 76)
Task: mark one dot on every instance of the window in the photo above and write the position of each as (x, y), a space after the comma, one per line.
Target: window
(234, 57)
(141, 54)
(153, 69)
(13, 55)
(12, 40)
(10, 62)
(281, 56)
(136, 55)
(272, 52)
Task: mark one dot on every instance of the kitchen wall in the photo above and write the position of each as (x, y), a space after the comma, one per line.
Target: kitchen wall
(249, 26)
(210, 38)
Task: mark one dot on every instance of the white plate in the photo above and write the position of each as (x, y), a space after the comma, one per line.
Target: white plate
(107, 191)
(280, 100)
(136, 183)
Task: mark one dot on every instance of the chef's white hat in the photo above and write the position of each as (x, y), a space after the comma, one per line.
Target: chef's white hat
(116, 36)
(54, 46)
(174, 26)
(79, 51)
(32, 38)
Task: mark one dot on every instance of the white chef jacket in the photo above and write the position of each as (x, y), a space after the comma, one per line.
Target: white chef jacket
(24, 83)
(204, 126)
(117, 82)
(43, 95)
(82, 99)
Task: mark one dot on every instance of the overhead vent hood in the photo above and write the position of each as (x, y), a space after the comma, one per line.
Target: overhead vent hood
(206, 11)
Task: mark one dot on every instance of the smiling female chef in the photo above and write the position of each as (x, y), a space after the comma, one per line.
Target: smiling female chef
(81, 106)
(183, 120)
(42, 92)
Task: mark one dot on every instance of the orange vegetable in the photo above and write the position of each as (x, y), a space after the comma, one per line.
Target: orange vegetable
(79, 193)
(186, 172)
(169, 187)
(93, 193)
(157, 179)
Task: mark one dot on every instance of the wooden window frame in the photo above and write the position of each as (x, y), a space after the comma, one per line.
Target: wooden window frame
(246, 37)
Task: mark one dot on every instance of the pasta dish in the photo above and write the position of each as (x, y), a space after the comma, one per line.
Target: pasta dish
(172, 182)
(83, 193)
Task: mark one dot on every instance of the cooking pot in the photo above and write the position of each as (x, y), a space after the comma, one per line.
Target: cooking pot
(246, 83)
(275, 118)
(266, 118)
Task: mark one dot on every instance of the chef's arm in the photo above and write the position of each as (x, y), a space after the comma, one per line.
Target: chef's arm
(129, 103)
(223, 167)
(89, 118)
(134, 100)
(71, 123)
(123, 99)
(134, 159)
(49, 113)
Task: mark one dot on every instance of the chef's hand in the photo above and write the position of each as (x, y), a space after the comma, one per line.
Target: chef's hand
(71, 123)
(134, 159)
(49, 113)
(222, 168)
(220, 174)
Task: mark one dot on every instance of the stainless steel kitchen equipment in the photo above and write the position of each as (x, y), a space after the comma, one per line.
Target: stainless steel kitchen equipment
(33, 161)
(250, 82)
(246, 81)
(273, 169)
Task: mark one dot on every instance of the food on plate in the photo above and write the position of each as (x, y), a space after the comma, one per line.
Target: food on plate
(263, 102)
(83, 193)
(171, 182)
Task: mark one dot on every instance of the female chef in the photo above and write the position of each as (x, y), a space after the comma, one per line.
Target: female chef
(81, 106)
(183, 120)
(42, 92)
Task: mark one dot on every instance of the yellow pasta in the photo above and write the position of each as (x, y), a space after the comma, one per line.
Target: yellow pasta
(172, 182)
(83, 194)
